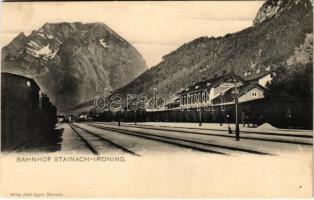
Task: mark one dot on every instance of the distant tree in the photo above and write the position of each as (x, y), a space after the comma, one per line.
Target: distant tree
(289, 97)
(291, 85)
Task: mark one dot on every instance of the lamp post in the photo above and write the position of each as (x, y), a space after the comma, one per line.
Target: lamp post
(135, 120)
(200, 116)
(229, 128)
(155, 98)
(236, 100)
(199, 106)
(118, 115)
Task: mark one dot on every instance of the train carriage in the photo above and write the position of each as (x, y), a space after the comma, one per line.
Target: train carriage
(25, 114)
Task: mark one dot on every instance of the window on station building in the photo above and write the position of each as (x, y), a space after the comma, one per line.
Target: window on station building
(254, 94)
(203, 97)
(206, 97)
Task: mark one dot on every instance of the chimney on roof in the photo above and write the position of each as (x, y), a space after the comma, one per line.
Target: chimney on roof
(224, 72)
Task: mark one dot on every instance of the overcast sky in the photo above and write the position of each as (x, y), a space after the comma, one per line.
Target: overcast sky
(154, 28)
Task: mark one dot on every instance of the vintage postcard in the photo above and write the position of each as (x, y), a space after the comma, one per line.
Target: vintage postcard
(156, 99)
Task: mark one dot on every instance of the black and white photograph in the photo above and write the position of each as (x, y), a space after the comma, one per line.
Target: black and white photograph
(217, 91)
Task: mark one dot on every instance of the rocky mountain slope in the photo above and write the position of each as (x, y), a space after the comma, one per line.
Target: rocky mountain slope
(282, 34)
(73, 62)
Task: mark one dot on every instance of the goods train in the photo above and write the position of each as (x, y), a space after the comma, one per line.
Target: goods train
(26, 113)
(260, 112)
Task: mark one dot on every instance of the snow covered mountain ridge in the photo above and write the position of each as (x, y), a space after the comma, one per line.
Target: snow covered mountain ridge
(80, 59)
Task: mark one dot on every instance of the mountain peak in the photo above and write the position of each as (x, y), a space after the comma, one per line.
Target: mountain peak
(81, 59)
(21, 35)
(19, 38)
(282, 34)
(274, 8)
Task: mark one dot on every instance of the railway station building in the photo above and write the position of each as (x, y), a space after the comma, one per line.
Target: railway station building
(211, 100)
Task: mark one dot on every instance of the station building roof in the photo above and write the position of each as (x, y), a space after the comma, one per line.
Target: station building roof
(210, 83)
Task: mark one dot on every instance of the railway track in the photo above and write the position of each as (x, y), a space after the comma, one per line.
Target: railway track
(97, 143)
(228, 136)
(220, 130)
(182, 142)
(32, 143)
(24, 145)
